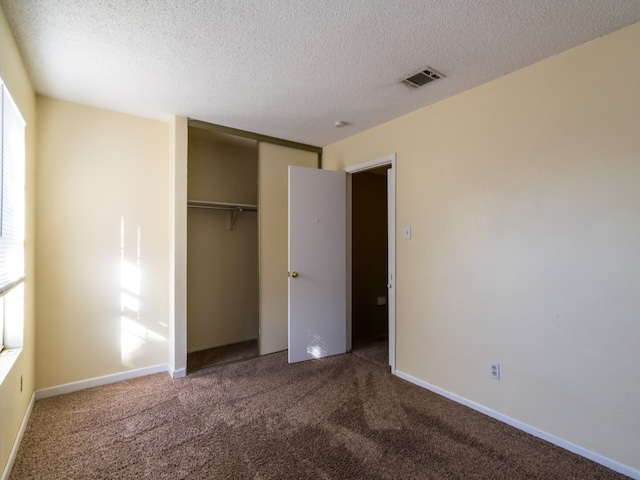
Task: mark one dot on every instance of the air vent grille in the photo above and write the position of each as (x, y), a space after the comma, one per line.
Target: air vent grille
(423, 77)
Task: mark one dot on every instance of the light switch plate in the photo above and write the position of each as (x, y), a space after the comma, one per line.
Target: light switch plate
(407, 232)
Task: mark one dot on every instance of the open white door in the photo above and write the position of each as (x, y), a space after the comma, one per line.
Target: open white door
(391, 264)
(317, 263)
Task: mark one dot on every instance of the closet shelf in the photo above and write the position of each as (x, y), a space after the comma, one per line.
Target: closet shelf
(233, 208)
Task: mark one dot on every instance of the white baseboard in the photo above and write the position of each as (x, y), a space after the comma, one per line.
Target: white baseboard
(536, 432)
(179, 373)
(18, 440)
(97, 381)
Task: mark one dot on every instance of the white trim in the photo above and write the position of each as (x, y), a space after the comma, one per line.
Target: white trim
(180, 373)
(104, 380)
(391, 249)
(16, 444)
(178, 243)
(378, 162)
(536, 432)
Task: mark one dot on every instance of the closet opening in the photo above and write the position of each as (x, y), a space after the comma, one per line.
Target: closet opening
(222, 248)
(369, 265)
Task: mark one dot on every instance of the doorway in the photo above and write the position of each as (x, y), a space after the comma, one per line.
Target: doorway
(369, 246)
(371, 275)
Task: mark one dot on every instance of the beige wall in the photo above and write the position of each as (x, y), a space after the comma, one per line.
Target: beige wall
(273, 208)
(222, 168)
(13, 402)
(222, 268)
(524, 201)
(103, 242)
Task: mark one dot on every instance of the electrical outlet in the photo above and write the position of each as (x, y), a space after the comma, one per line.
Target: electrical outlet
(494, 370)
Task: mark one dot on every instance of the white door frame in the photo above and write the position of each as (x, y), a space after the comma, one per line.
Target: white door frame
(391, 248)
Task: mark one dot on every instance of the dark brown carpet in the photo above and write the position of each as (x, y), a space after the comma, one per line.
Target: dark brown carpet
(336, 418)
(221, 355)
(374, 349)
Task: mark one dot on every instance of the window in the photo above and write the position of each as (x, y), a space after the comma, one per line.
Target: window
(12, 204)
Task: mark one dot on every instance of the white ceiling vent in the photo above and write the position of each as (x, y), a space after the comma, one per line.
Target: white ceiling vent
(422, 78)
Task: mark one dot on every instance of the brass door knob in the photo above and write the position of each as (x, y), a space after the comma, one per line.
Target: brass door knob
(294, 274)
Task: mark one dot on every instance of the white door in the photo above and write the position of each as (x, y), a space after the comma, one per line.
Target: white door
(391, 262)
(317, 263)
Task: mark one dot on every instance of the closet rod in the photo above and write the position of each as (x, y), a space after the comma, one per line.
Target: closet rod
(233, 208)
(238, 207)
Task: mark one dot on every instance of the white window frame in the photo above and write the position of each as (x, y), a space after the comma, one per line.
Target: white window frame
(12, 204)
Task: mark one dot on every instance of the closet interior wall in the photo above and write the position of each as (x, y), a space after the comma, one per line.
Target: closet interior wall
(222, 263)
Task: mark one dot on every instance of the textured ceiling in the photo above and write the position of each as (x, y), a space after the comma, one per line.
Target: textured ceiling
(290, 68)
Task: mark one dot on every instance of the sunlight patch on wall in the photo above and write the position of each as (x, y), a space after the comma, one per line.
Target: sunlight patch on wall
(133, 334)
(130, 274)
